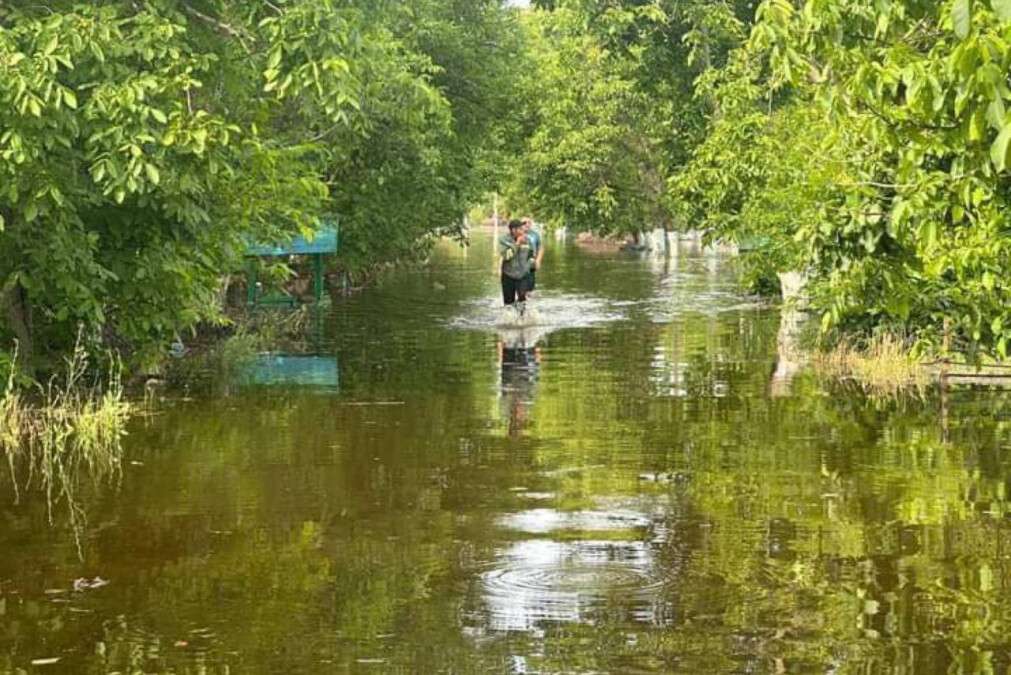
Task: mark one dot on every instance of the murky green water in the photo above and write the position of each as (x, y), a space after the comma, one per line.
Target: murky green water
(627, 488)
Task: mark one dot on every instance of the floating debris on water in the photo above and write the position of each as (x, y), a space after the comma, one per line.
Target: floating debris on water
(46, 662)
(84, 584)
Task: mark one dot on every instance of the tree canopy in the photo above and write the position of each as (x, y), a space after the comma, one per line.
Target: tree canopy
(898, 193)
(142, 145)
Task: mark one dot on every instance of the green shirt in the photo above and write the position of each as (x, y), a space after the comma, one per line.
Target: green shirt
(516, 258)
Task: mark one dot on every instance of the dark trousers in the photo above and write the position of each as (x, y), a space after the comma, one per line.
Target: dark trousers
(531, 280)
(513, 290)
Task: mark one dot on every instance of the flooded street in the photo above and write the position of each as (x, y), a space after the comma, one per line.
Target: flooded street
(621, 488)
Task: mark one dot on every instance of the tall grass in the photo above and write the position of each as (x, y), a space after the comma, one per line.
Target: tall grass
(219, 364)
(66, 429)
(14, 420)
(883, 364)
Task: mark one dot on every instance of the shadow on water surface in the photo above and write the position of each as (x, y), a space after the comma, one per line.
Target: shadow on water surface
(627, 491)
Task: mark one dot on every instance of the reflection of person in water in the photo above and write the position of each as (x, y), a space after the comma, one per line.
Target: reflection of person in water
(519, 358)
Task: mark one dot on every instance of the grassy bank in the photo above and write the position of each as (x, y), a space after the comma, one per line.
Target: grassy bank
(217, 357)
(888, 365)
(884, 364)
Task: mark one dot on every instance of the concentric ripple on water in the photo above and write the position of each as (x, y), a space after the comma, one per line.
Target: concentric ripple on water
(536, 582)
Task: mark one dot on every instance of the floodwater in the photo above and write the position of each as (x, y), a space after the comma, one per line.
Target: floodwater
(635, 484)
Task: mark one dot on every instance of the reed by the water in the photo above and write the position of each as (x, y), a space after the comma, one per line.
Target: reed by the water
(884, 364)
(59, 432)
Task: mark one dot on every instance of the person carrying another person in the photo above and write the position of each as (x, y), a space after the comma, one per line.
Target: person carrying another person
(537, 247)
(517, 257)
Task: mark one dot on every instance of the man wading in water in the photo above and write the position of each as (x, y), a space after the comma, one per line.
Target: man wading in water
(537, 247)
(517, 255)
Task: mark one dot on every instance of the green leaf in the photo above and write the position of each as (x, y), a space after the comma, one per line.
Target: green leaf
(51, 45)
(996, 113)
(31, 212)
(159, 116)
(70, 98)
(152, 173)
(274, 60)
(961, 18)
(1002, 8)
(999, 149)
(989, 282)
(977, 125)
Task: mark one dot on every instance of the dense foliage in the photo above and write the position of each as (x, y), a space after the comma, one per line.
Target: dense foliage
(864, 143)
(611, 105)
(142, 143)
(895, 163)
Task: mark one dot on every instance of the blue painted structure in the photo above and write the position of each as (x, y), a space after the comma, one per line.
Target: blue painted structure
(326, 241)
(288, 370)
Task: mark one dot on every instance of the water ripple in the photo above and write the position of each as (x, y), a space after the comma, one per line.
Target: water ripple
(537, 521)
(552, 311)
(574, 582)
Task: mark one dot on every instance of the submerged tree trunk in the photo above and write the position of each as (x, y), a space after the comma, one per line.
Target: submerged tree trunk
(794, 289)
(17, 307)
(790, 355)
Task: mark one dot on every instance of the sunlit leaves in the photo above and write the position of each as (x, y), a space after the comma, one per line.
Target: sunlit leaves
(150, 136)
(1002, 8)
(999, 149)
(961, 17)
(911, 235)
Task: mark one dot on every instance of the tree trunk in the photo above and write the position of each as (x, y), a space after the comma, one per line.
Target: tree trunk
(18, 309)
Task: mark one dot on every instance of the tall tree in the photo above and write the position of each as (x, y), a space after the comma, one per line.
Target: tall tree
(142, 145)
(612, 97)
(903, 226)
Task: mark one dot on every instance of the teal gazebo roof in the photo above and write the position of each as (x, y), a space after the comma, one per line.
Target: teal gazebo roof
(324, 241)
